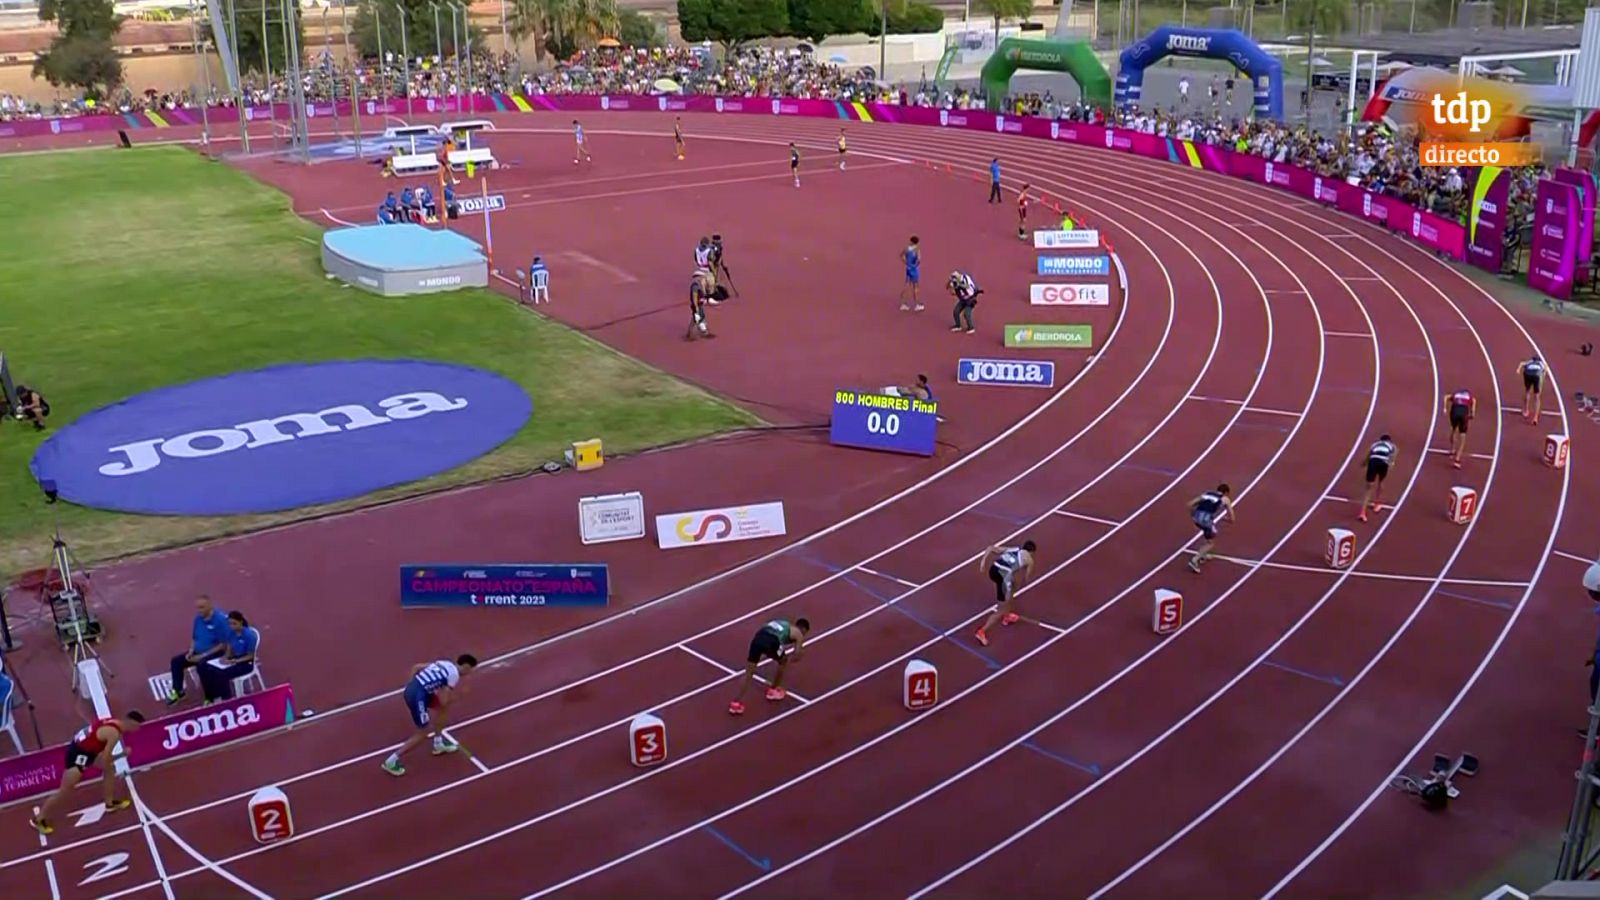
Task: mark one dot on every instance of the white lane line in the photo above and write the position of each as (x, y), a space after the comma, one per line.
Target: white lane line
(1088, 518)
(1272, 412)
(886, 577)
(1573, 556)
(1351, 334)
(731, 671)
(1384, 576)
(1446, 451)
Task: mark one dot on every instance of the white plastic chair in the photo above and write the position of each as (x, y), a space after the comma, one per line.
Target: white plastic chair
(8, 722)
(244, 681)
(539, 285)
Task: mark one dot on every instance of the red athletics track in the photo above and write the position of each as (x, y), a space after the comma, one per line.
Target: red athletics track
(1302, 452)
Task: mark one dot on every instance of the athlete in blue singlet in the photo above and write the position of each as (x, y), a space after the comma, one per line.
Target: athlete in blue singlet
(581, 151)
(1006, 567)
(428, 695)
(1207, 510)
(1532, 380)
(912, 257)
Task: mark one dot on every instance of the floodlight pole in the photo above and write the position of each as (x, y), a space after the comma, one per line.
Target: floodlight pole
(383, 71)
(205, 118)
(405, 58)
(244, 123)
(355, 77)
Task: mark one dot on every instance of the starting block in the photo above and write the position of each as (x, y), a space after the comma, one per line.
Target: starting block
(1463, 505)
(586, 455)
(1168, 612)
(1556, 449)
(270, 817)
(647, 740)
(1341, 547)
(919, 689)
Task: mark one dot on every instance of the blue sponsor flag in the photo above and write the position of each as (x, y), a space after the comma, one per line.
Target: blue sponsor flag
(538, 584)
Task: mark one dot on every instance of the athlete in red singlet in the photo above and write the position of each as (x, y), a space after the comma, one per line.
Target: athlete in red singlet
(90, 747)
(1460, 406)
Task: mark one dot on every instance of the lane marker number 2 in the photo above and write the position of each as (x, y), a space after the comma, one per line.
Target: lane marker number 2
(108, 866)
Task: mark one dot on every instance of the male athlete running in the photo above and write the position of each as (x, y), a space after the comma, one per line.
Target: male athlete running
(677, 135)
(581, 151)
(769, 643)
(90, 747)
(1007, 567)
(1460, 407)
(843, 149)
(1206, 510)
(1379, 457)
(794, 163)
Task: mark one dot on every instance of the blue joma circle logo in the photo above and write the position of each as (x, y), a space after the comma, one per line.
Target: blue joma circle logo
(282, 437)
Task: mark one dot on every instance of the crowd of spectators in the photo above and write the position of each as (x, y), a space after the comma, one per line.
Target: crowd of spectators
(1374, 158)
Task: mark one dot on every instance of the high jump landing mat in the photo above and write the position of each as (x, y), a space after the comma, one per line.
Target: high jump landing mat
(395, 260)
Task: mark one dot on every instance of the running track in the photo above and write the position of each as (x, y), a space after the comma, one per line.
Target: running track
(1074, 753)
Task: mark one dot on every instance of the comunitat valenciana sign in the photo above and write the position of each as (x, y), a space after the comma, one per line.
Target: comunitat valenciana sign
(282, 437)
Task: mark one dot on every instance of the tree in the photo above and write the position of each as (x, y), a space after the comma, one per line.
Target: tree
(261, 42)
(422, 38)
(907, 17)
(816, 20)
(1005, 9)
(732, 22)
(82, 54)
(562, 27)
(635, 29)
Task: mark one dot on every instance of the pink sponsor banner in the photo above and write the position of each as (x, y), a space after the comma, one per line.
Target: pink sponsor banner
(1585, 183)
(1552, 260)
(37, 773)
(205, 727)
(74, 125)
(33, 774)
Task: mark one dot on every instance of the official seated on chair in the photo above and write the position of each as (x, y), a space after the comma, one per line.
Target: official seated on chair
(208, 639)
(239, 660)
(410, 210)
(430, 209)
(8, 706)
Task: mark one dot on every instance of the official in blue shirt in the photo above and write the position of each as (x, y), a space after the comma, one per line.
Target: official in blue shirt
(994, 181)
(408, 205)
(450, 208)
(208, 639)
(236, 662)
(385, 217)
(425, 200)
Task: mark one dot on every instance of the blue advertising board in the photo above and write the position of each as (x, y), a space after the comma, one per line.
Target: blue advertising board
(882, 422)
(1024, 373)
(1074, 265)
(528, 584)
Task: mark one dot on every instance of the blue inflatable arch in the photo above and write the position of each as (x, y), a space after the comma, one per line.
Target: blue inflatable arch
(1264, 71)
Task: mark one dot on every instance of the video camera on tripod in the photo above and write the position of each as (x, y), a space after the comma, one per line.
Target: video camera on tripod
(76, 628)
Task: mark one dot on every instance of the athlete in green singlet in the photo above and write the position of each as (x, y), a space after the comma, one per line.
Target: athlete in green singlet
(770, 643)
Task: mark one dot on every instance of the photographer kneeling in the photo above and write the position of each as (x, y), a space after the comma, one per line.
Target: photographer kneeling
(31, 406)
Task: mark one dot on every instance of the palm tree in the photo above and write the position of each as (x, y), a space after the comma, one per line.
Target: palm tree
(1005, 9)
(562, 25)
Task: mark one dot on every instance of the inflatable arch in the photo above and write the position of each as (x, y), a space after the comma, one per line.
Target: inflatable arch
(1076, 58)
(1264, 71)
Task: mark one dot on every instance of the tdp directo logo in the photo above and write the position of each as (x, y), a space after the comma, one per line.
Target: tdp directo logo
(1021, 373)
(716, 521)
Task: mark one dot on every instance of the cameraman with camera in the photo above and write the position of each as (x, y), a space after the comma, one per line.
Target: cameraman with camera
(31, 406)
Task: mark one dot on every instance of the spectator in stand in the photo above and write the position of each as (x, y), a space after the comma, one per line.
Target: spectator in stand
(208, 640)
(238, 660)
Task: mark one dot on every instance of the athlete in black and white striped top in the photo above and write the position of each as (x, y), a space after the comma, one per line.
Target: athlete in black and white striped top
(1379, 457)
(1006, 567)
(1206, 510)
(1532, 370)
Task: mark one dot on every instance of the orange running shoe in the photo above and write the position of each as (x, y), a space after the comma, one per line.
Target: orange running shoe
(776, 694)
(735, 708)
(1010, 619)
(1363, 514)
(981, 638)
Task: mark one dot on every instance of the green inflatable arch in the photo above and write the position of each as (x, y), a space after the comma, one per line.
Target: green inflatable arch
(1076, 58)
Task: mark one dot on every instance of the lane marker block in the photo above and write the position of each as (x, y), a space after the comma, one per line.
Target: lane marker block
(919, 689)
(647, 740)
(271, 820)
(1556, 449)
(1167, 612)
(1463, 504)
(1341, 547)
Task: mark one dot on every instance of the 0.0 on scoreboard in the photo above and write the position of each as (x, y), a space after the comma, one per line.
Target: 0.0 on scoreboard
(884, 422)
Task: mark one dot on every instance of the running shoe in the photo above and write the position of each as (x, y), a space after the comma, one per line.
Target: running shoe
(118, 805)
(1194, 565)
(1363, 514)
(1010, 619)
(981, 638)
(735, 708)
(393, 768)
(46, 828)
(918, 308)
(442, 747)
(776, 693)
